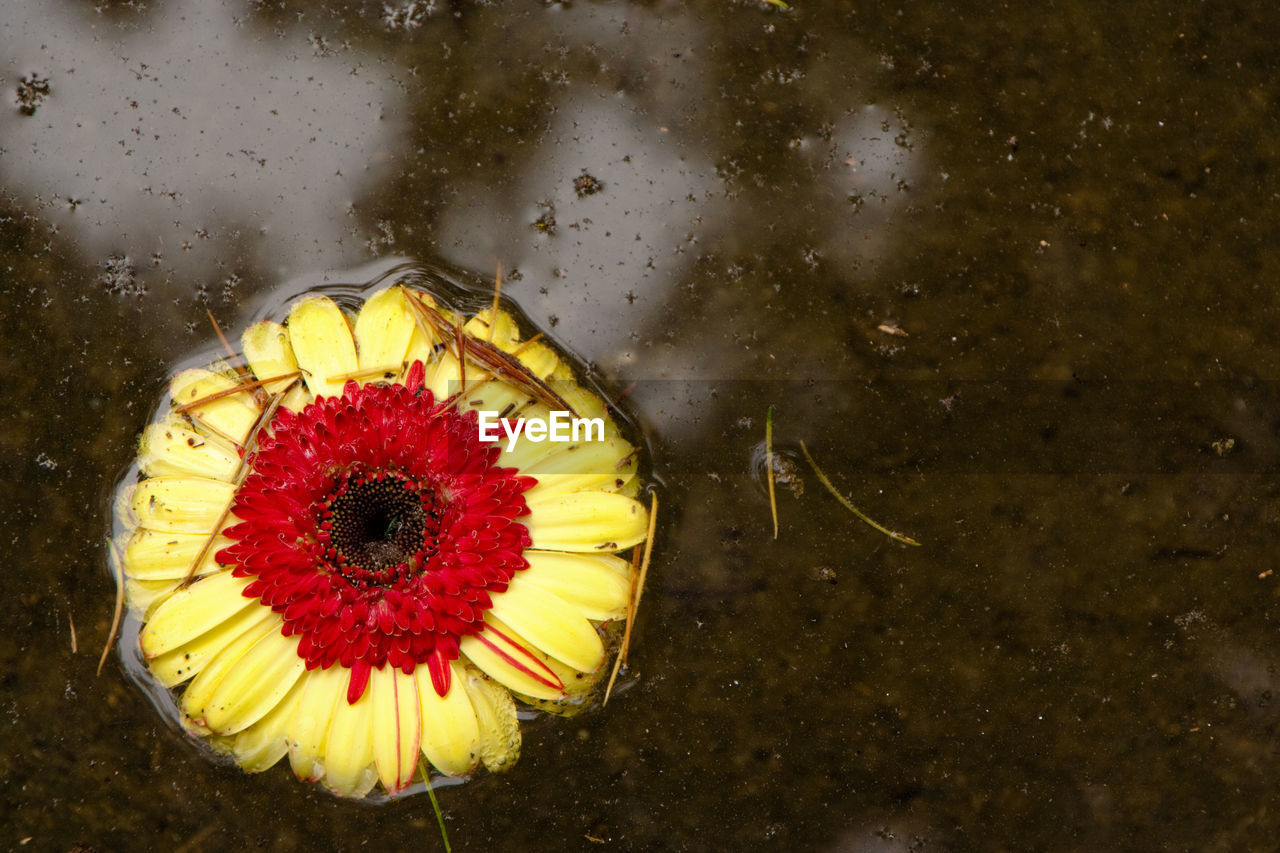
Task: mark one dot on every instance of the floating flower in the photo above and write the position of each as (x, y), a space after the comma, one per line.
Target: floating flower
(336, 563)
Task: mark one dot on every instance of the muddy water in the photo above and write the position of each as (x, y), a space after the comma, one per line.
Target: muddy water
(1008, 275)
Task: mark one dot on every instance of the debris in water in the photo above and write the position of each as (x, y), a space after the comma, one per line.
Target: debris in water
(585, 184)
(406, 16)
(768, 465)
(119, 277)
(891, 328)
(32, 90)
(892, 534)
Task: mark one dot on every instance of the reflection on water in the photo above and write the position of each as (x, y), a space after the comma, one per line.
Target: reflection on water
(614, 193)
(616, 198)
(183, 136)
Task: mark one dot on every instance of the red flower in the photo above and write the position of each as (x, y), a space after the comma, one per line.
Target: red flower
(331, 564)
(377, 525)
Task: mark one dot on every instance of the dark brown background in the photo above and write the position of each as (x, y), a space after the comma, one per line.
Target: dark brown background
(1069, 208)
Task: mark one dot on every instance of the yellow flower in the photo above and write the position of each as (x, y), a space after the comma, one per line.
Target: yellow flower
(335, 566)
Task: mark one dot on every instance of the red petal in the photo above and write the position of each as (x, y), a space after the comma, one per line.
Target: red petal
(441, 672)
(359, 681)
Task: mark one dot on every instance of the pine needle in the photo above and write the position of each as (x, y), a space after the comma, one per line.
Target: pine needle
(648, 552)
(486, 355)
(234, 389)
(525, 345)
(892, 534)
(768, 465)
(365, 373)
(117, 569)
(497, 295)
(460, 340)
(634, 603)
(225, 343)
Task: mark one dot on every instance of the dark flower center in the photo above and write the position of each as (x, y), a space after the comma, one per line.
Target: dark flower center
(381, 528)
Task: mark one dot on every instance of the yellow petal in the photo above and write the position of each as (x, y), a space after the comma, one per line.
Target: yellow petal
(578, 688)
(397, 726)
(190, 612)
(145, 596)
(525, 453)
(322, 690)
(585, 521)
(511, 660)
(540, 360)
(383, 330)
(584, 402)
(348, 751)
(255, 685)
(550, 624)
(197, 697)
(450, 733)
(181, 504)
(443, 375)
(503, 332)
(177, 665)
(586, 466)
(150, 555)
(598, 585)
(322, 343)
(495, 396)
(499, 727)
(229, 416)
(173, 448)
(424, 345)
(265, 742)
(267, 349)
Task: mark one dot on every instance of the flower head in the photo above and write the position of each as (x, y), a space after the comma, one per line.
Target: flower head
(335, 564)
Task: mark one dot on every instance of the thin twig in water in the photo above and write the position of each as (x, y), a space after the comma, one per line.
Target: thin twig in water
(525, 344)
(117, 570)
(235, 357)
(497, 293)
(234, 389)
(193, 417)
(435, 804)
(622, 395)
(489, 356)
(364, 373)
(633, 603)
(892, 534)
(460, 343)
(71, 620)
(644, 564)
(196, 842)
(768, 466)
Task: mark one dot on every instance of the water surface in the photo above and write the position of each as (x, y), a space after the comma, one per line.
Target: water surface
(1070, 214)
